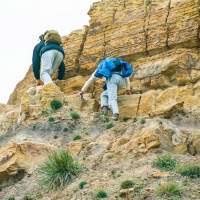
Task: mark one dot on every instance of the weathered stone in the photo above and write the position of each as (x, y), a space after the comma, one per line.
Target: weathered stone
(157, 30)
(128, 193)
(179, 142)
(147, 103)
(22, 156)
(128, 105)
(73, 45)
(168, 110)
(75, 148)
(183, 23)
(8, 116)
(87, 103)
(36, 99)
(161, 174)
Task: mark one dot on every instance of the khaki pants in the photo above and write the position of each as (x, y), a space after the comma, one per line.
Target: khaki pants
(50, 61)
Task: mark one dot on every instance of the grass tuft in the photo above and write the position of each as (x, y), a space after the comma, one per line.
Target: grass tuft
(58, 170)
(126, 184)
(51, 119)
(74, 115)
(189, 170)
(101, 194)
(77, 137)
(125, 119)
(109, 125)
(165, 162)
(81, 184)
(56, 104)
(168, 189)
(143, 121)
(11, 198)
(135, 119)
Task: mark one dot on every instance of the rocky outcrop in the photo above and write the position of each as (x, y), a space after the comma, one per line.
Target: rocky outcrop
(163, 52)
(22, 156)
(160, 38)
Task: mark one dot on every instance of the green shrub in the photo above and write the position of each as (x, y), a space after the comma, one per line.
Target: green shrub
(109, 156)
(56, 104)
(190, 170)
(87, 133)
(74, 115)
(135, 119)
(11, 198)
(101, 194)
(58, 170)
(65, 129)
(46, 111)
(127, 184)
(55, 137)
(104, 118)
(113, 172)
(109, 125)
(143, 121)
(51, 119)
(168, 189)
(27, 197)
(165, 162)
(77, 137)
(71, 109)
(160, 122)
(81, 184)
(125, 119)
(138, 186)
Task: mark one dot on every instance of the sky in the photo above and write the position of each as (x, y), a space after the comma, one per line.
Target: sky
(22, 22)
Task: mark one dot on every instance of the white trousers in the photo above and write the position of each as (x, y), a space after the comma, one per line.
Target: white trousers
(50, 61)
(109, 96)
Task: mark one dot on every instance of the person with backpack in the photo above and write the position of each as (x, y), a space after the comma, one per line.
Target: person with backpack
(48, 56)
(117, 72)
(36, 59)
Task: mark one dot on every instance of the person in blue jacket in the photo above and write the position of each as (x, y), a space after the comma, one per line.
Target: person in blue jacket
(46, 59)
(117, 72)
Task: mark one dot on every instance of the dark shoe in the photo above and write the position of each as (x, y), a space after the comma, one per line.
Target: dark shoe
(104, 110)
(115, 117)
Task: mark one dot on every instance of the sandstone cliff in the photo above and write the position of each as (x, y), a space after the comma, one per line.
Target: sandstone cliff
(160, 38)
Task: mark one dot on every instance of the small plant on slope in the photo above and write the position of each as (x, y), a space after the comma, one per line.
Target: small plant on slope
(56, 104)
(168, 189)
(58, 170)
(165, 162)
(190, 170)
(101, 194)
(74, 115)
(77, 137)
(127, 184)
(81, 184)
(51, 119)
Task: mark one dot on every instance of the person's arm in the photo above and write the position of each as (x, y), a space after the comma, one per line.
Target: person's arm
(127, 83)
(36, 63)
(61, 71)
(36, 59)
(87, 84)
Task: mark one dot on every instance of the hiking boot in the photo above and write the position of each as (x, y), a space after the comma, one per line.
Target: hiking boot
(104, 110)
(115, 117)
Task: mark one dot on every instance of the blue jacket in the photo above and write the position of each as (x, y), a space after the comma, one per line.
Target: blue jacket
(107, 65)
(38, 50)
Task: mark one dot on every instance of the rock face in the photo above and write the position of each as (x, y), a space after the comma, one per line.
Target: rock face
(21, 155)
(160, 38)
(164, 53)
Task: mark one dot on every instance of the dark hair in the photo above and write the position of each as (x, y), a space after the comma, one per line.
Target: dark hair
(41, 37)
